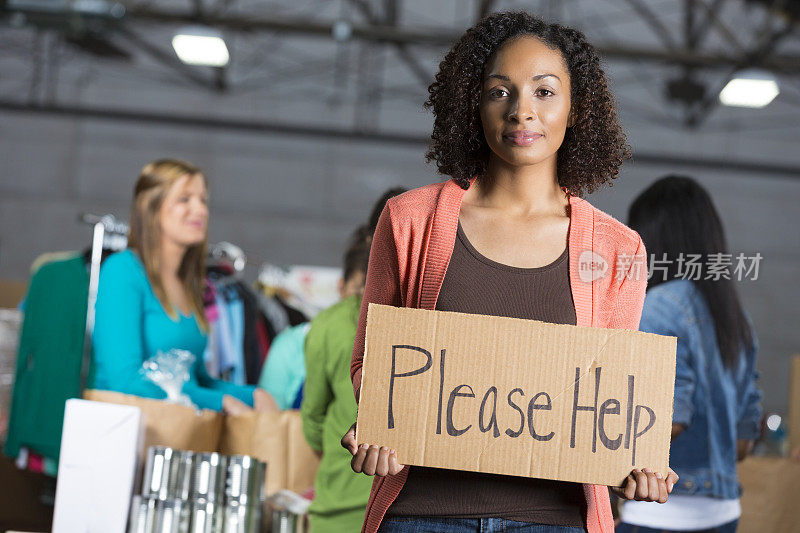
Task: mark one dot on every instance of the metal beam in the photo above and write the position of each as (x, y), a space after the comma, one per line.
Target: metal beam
(654, 22)
(755, 57)
(713, 18)
(392, 11)
(369, 32)
(252, 126)
(787, 64)
(699, 31)
(227, 124)
(168, 59)
(402, 48)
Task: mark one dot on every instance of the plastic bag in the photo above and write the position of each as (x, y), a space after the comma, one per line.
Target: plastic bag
(170, 371)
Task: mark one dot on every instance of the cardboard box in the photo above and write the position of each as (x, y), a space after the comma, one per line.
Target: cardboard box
(794, 404)
(769, 498)
(12, 292)
(97, 467)
(516, 397)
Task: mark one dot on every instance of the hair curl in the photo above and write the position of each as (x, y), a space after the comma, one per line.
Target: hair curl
(594, 147)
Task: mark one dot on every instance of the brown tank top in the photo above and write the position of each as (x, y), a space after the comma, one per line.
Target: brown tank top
(476, 284)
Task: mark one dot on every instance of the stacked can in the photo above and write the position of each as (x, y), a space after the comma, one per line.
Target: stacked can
(208, 492)
(244, 494)
(162, 506)
(186, 492)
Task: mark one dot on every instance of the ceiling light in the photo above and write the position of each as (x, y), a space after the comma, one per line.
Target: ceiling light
(750, 88)
(201, 46)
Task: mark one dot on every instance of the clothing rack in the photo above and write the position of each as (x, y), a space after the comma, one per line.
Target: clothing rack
(228, 253)
(284, 283)
(108, 234)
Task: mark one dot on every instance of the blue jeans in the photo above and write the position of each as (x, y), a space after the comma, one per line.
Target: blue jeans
(424, 524)
(730, 527)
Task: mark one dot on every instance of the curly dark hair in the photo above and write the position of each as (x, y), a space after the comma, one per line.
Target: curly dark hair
(594, 147)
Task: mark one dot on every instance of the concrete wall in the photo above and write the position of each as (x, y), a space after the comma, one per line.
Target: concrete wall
(294, 200)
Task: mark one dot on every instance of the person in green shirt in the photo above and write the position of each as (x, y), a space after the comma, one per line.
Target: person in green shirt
(329, 406)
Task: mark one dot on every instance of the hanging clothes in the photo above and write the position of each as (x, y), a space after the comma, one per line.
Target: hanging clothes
(296, 317)
(278, 313)
(284, 372)
(275, 314)
(211, 354)
(231, 335)
(264, 341)
(50, 356)
(243, 325)
(251, 346)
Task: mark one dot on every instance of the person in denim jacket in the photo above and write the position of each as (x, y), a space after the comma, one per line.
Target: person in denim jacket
(717, 409)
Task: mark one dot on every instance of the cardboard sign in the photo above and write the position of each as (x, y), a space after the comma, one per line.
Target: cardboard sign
(518, 397)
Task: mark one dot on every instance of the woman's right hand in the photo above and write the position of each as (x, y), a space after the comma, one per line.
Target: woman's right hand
(234, 406)
(370, 459)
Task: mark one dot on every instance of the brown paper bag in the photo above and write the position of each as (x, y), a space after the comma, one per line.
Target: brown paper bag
(277, 439)
(169, 424)
(769, 501)
(794, 404)
(260, 435)
(302, 461)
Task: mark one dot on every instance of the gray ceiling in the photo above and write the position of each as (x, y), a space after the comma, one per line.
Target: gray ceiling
(288, 73)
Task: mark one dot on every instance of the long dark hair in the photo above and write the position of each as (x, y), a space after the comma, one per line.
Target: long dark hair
(674, 216)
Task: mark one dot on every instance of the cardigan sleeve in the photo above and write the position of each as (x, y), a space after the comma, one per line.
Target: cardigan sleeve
(382, 287)
(630, 296)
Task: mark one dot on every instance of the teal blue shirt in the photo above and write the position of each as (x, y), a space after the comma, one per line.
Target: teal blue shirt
(131, 326)
(284, 370)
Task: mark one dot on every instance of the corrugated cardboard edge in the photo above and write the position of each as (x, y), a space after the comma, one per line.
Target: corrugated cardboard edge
(363, 362)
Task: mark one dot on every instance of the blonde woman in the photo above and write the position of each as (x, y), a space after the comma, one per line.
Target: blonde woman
(150, 295)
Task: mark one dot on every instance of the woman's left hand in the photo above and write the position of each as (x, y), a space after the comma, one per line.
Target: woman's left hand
(647, 486)
(234, 406)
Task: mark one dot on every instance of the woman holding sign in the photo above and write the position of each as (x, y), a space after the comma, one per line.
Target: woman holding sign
(524, 124)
